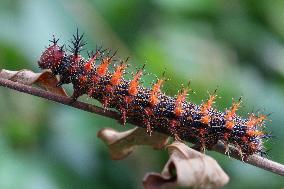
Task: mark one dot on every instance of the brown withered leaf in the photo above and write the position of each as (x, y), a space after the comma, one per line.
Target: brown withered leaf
(121, 144)
(45, 79)
(187, 168)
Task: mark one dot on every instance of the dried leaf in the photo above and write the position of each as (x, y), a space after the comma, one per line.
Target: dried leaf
(187, 168)
(121, 144)
(45, 80)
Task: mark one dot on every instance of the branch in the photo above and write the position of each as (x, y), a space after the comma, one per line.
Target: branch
(255, 160)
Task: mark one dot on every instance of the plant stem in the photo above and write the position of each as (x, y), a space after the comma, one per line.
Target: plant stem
(255, 160)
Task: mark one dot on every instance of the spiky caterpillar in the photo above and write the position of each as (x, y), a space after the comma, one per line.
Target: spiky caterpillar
(150, 106)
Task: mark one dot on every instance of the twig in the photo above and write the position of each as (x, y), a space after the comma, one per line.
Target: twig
(253, 160)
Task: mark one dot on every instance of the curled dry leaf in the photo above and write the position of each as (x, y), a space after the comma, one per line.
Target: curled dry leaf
(45, 80)
(187, 168)
(121, 144)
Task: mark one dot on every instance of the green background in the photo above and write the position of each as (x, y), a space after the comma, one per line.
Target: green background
(236, 46)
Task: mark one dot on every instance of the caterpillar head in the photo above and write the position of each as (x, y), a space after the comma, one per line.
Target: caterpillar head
(52, 57)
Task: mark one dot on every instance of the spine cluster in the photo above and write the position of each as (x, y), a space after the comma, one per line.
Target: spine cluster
(183, 120)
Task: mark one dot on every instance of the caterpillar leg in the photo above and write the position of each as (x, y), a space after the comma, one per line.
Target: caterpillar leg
(123, 115)
(227, 148)
(148, 126)
(63, 80)
(76, 94)
(105, 103)
(148, 113)
(240, 152)
(173, 130)
(202, 140)
(59, 83)
(200, 147)
(177, 138)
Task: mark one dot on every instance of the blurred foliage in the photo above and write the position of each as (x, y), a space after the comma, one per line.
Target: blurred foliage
(236, 46)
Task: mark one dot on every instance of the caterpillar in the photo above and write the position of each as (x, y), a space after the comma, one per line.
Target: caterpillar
(202, 124)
